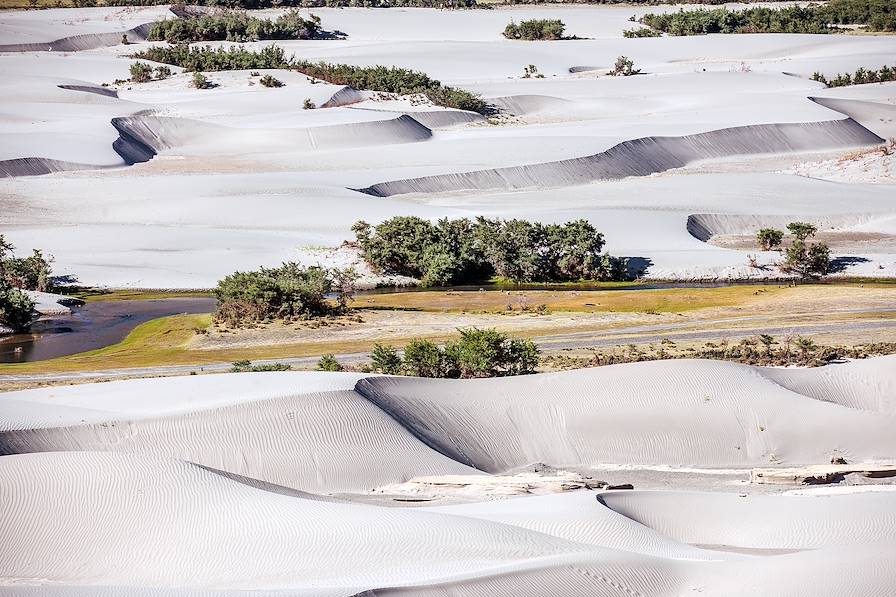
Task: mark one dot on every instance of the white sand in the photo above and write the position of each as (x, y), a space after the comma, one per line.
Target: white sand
(242, 176)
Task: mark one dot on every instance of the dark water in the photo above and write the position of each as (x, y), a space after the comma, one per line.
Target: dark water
(92, 326)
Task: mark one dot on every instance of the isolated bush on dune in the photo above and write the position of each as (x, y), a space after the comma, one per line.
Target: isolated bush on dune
(141, 72)
(269, 81)
(535, 29)
(624, 67)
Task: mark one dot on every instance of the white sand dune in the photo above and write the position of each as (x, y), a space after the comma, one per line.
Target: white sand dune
(299, 430)
(38, 167)
(179, 529)
(85, 41)
(690, 413)
(142, 136)
(641, 157)
(760, 521)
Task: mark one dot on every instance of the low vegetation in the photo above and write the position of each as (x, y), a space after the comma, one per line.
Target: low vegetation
(535, 29)
(246, 366)
(762, 350)
(374, 78)
(466, 251)
(269, 81)
(641, 32)
(624, 67)
(200, 81)
(477, 353)
(328, 362)
(236, 26)
(18, 274)
(873, 15)
(808, 259)
(286, 292)
(860, 77)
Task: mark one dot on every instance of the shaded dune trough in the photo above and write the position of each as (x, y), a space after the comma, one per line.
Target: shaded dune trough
(86, 41)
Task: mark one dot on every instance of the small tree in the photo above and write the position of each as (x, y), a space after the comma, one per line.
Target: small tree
(624, 67)
(385, 360)
(328, 362)
(801, 230)
(308, 104)
(344, 283)
(818, 259)
(16, 308)
(141, 72)
(769, 238)
(805, 346)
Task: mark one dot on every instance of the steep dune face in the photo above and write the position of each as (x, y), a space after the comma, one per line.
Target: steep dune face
(706, 226)
(648, 155)
(38, 167)
(290, 429)
(699, 413)
(86, 41)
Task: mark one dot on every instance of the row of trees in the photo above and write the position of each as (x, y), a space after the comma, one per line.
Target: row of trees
(808, 259)
(535, 29)
(373, 78)
(860, 77)
(16, 275)
(236, 26)
(256, 4)
(876, 15)
(286, 292)
(466, 251)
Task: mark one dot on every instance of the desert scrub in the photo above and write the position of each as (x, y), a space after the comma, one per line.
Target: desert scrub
(535, 29)
(464, 251)
(308, 104)
(286, 292)
(269, 81)
(860, 77)
(477, 353)
(624, 67)
(374, 78)
(643, 32)
(200, 81)
(237, 26)
(246, 366)
(141, 72)
(874, 15)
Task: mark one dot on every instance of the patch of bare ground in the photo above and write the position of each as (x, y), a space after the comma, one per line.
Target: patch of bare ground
(840, 241)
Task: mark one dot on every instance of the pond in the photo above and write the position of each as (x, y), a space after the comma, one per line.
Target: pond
(91, 326)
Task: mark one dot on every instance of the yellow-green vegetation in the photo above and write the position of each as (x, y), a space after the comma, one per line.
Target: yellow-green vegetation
(92, 295)
(672, 300)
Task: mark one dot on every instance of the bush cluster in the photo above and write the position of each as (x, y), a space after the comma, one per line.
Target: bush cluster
(254, 4)
(535, 29)
(204, 58)
(374, 78)
(642, 32)
(269, 81)
(18, 274)
(465, 251)
(477, 353)
(860, 77)
(391, 79)
(808, 259)
(876, 15)
(285, 292)
(624, 67)
(236, 26)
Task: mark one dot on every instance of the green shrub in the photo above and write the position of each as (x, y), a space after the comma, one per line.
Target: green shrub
(642, 32)
(161, 72)
(624, 67)
(204, 58)
(423, 358)
(269, 81)
(236, 26)
(141, 72)
(200, 81)
(464, 251)
(289, 291)
(385, 360)
(802, 230)
(245, 366)
(308, 104)
(875, 15)
(769, 238)
(810, 260)
(535, 29)
(860, 77)
(16, 308)
(328, 362)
